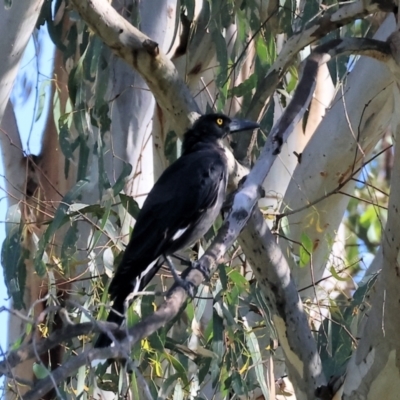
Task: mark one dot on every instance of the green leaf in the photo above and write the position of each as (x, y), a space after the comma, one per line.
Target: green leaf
(200, 301)
(311, 8)
(166, 387)
(368, 217)
(237, 384)
(68, 248)
(157, 342)
(255, 353)
(41, 99)
(147, 303)
(285, 226)
(217, 347)
(244, 88)
(374, 232)
(336, 275)
(13, 257)
(222, 56)
(97, 47)
(223, 276)
(84, 153)
(294, 78)
(134, 386)
(222, 307)
(287, 9)
(306, 249)
(102, 224)
(67, 146)
(80, 384)
(130, 205)
(120, 183)
(238, 279)
(180, 369)
(40, 371)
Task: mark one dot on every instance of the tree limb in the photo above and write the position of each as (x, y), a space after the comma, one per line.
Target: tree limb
(144, 55)
(316, 29)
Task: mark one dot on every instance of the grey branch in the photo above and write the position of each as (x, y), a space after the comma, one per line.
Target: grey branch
(317, 28)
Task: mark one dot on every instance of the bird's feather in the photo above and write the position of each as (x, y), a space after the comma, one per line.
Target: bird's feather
(179, 209)
(178, 200)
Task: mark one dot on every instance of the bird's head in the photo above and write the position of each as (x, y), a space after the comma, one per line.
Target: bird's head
(213, 128)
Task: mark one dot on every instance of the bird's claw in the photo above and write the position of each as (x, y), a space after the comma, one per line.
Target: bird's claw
(203, 269)
(188, 286)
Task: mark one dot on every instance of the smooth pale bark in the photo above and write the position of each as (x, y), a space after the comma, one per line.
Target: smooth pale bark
(16, 26)
(273, 274)
(11, 152)
(143, 54)
(317, 28)
(328, 160)
(374, 370)
(278, 179)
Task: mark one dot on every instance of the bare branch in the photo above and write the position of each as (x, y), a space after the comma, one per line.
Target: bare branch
(144, 55)
(160, 74)
(68, 332)
(272, 272)
(317, 28)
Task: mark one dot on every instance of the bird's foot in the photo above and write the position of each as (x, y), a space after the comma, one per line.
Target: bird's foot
(184, 284)
(203, 269)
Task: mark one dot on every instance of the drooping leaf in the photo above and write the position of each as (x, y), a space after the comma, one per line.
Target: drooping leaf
(40, 371)
(68, 248)
(130, 205)
(217, 347)
(67, 144)
(13, 257)
(306, 249)
(41, 99)
(120, 183)
(244, 88)
(252, 344)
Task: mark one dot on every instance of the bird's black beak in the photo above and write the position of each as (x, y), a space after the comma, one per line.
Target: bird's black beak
(238, 125)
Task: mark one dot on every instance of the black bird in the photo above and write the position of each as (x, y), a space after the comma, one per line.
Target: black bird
(179, 209)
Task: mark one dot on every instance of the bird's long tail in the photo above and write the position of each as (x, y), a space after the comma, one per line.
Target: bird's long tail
(120, 288)
(115, 315)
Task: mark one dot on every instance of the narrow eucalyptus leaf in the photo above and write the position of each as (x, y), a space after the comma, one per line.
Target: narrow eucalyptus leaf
(130, 205)
(120, 183)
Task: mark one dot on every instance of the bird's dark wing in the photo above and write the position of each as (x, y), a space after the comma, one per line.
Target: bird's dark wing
(174, 207)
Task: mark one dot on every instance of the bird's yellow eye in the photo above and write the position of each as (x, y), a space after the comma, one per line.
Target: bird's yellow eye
(220, 121)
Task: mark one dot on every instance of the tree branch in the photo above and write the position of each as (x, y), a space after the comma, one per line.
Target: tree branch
(317, 28)
(160, 74)
(272, 272)
(374, 365)
(144, 55)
